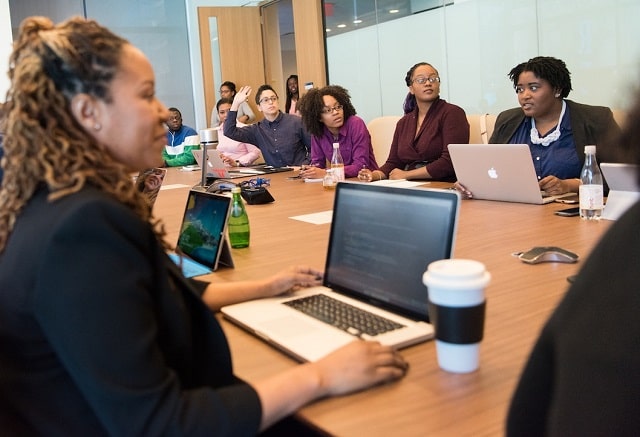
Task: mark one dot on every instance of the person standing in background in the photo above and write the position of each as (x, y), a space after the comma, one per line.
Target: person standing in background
(245, 113)
(293, 95)
(181, 140)
(330, 117)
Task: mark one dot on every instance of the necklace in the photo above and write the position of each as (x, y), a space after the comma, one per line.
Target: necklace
(553, 136)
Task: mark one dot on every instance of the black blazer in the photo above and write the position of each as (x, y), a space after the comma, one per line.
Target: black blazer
(101, 334)
(590, 125)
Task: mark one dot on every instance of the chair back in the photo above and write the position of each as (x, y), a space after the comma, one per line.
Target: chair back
(480, 127)
(382, 130)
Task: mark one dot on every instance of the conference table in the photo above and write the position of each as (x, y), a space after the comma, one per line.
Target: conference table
(428, 400)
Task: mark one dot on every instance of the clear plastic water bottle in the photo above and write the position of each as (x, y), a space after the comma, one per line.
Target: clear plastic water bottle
(591, 191)
(238, 222)
(337, 164)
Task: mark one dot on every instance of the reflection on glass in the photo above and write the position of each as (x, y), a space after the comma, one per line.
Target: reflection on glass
(215, 54)
(348, 15)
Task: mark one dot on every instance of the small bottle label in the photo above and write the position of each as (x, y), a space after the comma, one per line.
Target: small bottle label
(591, 196)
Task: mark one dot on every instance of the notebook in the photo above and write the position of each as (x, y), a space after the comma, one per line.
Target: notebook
(502, 172)
(202, 243)
(217, 169)
(381, 241)
(623, 188)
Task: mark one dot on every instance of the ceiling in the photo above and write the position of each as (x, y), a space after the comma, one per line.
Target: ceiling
(347, 15)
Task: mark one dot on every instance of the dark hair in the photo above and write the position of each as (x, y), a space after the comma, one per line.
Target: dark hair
(172, 109)
(312, 104)
(230, 85)
(290, 95)
(223, 101)
(262, 89)
(550, 69)
(410, 101)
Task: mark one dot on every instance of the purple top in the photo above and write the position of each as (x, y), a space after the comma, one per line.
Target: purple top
(355, 147)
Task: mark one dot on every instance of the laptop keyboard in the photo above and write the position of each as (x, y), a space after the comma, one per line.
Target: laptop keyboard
(343, 316)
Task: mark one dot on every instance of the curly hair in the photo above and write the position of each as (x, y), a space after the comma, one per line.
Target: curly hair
(44, 144)
(312, 104)
(550, 69)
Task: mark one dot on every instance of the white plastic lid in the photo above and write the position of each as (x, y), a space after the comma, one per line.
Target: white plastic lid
(336, 145)
(236, 190)
(456, 273)
(590, 150)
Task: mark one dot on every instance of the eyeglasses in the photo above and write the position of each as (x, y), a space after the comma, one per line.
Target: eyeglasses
(269, 99)
(328, 110)
(422, 80)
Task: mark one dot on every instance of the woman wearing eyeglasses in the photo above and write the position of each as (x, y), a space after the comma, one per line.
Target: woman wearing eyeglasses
(329, 116)
(419, 149)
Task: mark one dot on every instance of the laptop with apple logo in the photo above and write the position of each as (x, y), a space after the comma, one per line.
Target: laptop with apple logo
(502, 172)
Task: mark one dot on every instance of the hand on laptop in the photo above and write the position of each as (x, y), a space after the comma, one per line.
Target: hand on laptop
(464, 193)
(293, 278)
(359, 365)
(554, 186)
(228, 293)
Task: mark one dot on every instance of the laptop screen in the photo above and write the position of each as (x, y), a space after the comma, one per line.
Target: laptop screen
(382, 240)
(203, 227)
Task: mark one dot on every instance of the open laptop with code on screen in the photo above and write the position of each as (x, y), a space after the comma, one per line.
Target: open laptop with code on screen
(503, 172)
(381, 241)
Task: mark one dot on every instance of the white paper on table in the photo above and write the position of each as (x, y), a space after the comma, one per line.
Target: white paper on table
(316, 218)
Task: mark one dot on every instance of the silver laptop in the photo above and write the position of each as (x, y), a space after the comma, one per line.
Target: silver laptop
(502, 172)
(381, 240)
(217, 169)
(202, 244)
(623, 188)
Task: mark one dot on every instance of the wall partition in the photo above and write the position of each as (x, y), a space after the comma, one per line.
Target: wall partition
(475, 43)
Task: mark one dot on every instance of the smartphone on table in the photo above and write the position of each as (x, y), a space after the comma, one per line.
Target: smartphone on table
(568, 212)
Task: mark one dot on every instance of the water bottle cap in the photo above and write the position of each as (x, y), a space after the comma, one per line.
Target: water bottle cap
(236, 190)
(590, 150)
(336, 145)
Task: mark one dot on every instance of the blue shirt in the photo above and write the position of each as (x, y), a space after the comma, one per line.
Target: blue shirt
(559, 158)
(283, 141)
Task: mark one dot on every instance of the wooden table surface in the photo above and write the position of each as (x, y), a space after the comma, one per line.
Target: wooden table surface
(428, 401)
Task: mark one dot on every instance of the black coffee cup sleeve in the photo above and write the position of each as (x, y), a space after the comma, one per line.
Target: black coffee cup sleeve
(458, 325)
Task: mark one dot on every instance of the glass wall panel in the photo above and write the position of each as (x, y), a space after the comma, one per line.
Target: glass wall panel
(475, 43)
(159, 29)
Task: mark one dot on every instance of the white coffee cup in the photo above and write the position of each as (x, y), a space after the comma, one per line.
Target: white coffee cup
(456, 308)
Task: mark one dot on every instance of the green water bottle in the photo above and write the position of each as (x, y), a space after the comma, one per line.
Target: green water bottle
(238, 222)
